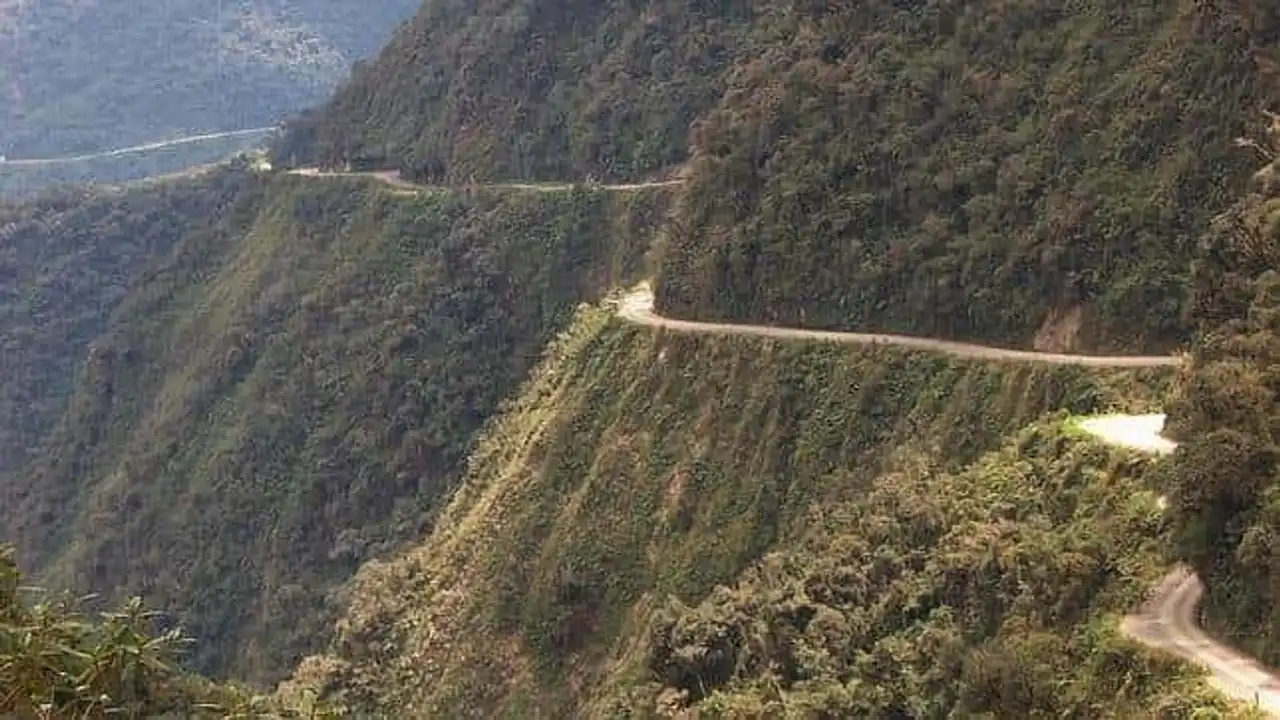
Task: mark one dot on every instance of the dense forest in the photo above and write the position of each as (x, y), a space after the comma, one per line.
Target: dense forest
(1021, 173)
(67, 261)
(1226, 479)
(530, 89)
(403, 435)
(280, 398)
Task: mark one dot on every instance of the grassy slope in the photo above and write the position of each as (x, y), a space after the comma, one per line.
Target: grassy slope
(635, 466)
(269, 409)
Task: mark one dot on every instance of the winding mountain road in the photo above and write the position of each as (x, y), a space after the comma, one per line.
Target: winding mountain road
(187, 140)
(1167, 621)
(638, 307)
(395, 179)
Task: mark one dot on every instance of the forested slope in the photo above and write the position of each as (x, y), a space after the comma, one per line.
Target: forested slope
(1027, 173)
(67, 261)
(285, 396)
(736, 525)
(531, 89)
(1226, 412)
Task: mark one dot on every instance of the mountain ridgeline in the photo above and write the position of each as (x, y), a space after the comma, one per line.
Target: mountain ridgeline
(395, 447)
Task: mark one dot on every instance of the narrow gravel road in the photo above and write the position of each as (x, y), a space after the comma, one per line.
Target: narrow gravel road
(638, 307)
(1167, 620)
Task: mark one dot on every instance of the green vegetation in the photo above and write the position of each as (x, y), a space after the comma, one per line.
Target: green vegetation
(57, 663)
(285, 397)
(1021, 173)
(531, 90)
(841, 530)
(1012, 172)
(67, 261)
(79, 77)
(1226, 478)
(233, 394)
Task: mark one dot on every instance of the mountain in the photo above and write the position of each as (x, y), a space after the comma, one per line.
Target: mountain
(85, 77)
(413, 450)
(1021, 173)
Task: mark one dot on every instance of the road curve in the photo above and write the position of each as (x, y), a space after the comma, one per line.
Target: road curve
(1167, 621)
(395, 179)
(187, 140)
(638, 307)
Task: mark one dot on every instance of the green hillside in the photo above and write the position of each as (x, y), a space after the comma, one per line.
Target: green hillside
(745, 526)
(1226, 480)
(1022, 173)
(1025, 173)
(282, 399)
(403, 435)
(67, 261)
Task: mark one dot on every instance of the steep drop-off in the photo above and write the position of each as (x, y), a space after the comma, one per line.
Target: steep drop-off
(271, 406)
(638, 466)
(67, 261)
(1225, 479)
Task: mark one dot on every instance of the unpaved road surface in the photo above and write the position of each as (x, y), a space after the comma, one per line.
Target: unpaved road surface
(1167, 620)
(393, 178)
(638, 307)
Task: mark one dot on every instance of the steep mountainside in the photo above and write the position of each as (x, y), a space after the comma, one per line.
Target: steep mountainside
(740, 524)
(277, 401)
(261, 386)
(78, 77)
(1023, 173)
(66, 262)
(531, 89)
(1226, 478)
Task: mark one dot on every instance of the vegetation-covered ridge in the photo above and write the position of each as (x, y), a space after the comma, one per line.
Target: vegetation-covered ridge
(638, 466)
(1225, 479)
(286, 394)
(1025, 174)
(1028, 173)
(67, 261)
